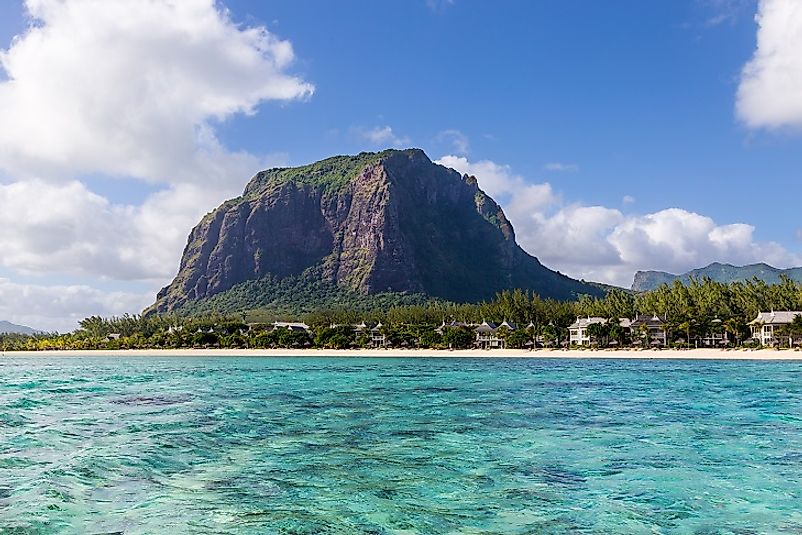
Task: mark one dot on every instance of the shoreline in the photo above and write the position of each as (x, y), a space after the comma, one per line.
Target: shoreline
(648, 354)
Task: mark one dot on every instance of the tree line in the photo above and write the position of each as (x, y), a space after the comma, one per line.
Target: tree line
(693, 311)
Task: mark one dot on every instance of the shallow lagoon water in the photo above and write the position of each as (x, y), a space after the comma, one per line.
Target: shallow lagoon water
(345, 445)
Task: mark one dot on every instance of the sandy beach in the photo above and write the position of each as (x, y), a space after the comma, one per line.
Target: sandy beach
(693, 354)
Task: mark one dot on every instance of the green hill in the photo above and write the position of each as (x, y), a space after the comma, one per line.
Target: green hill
(649, 280)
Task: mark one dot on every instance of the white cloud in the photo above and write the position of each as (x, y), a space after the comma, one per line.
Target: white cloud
(561, 167)
(603, 244)
(628, 199)
(130, 89)
(60, 307)
(65, 228)
(383, 137)
(502, 184)
(676, 240)
(770, 91)
(459, 142)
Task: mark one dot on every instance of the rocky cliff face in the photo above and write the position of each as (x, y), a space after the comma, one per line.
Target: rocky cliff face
(377, 222)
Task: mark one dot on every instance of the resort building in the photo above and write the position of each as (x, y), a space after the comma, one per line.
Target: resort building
(488, 335)
(716, 336)
(578, 330)
(534, 338)
(453, 325)
(292, 326)
(766, 324)
(507, 325)
(650, 330)
(377, 338)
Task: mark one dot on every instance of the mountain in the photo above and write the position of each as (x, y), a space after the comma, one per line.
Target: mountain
(391, 226)
(7, 327)
(649, 280)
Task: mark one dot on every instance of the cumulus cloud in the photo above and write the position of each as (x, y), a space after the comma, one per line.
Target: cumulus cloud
(677, 240)
(382, 137)
(628, 199)
(498, 181)
(82, 233)
(603, 244)
(131, 88)
(60, 307)
(459, 142)
(770, 90)
(128, 89)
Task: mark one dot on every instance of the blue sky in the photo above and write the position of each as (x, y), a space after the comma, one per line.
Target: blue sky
(618, 136)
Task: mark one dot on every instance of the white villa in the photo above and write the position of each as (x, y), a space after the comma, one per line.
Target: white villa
(377, 338)
(578, 330)
(291, 326)
(652, 326)
(375, 334)
(488, 337)
(764, 326)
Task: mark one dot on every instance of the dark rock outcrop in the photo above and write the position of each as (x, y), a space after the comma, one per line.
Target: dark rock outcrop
(377, 222)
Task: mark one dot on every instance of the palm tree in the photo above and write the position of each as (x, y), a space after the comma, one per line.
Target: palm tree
(734, 326)
(789, 330)
(685, 327)
(595, 333)
(616, 331)
(643, 335)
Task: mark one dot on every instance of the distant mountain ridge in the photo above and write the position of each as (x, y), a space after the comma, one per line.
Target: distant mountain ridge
(726, 273)
(6, 327)
(348, 229)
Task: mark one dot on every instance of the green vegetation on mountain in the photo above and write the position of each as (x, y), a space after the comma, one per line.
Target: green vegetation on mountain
(295, 296)
(332, 173)
(649, 280)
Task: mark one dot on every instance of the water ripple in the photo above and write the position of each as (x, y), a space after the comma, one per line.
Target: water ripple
(291, 446)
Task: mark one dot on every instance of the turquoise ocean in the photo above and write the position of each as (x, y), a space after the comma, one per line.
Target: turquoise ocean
(381, 446)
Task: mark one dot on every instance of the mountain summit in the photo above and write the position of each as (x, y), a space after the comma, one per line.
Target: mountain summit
(6, 327)
(649, 280)
(391, 222)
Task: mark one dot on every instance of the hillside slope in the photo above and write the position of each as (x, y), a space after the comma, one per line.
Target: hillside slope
(649, 280)
(6, 327)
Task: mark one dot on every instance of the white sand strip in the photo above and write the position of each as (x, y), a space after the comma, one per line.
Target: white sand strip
(699, 354)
